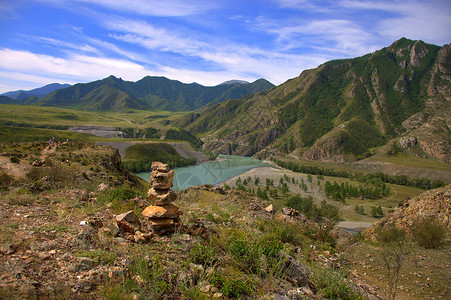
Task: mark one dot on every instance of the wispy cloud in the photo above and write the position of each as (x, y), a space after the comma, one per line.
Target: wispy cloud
(73, 68)
(166, 8)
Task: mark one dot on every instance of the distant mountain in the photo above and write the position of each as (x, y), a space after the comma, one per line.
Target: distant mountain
(399, 96)
(39, 92)
(235, 81)
(115, 94)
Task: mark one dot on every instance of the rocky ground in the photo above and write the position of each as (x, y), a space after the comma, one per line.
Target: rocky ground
(65, 236)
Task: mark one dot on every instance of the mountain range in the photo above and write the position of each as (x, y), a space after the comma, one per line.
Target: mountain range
(115, 94)
(39, 92)
(398, 97)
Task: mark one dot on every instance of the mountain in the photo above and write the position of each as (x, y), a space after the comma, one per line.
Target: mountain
(114, 94)
(39, 92)
(235, 81)
(398, 96)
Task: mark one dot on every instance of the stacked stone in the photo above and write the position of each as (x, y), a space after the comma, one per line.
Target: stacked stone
(161, 217)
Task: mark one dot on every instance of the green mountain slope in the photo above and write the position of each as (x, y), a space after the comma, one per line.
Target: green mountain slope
(341, 109)
(115, 94)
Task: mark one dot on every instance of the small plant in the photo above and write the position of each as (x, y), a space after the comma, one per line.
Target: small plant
(203, 254)
(394, 253)
(233, 283)
(428, 233)
(99, 256)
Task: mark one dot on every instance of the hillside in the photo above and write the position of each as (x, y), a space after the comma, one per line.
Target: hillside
(62, 238)
(342, 109)
(115, 94)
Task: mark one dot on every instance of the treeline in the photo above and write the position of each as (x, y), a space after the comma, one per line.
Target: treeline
(180, 134)
(28, 125)
(306, 207)
(146, 133)
(342, 191)
(371, 178)
(139, 157)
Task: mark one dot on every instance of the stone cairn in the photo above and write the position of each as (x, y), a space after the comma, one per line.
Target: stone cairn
(161, 217)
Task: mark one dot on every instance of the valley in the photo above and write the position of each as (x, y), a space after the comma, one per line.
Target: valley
(357, 146)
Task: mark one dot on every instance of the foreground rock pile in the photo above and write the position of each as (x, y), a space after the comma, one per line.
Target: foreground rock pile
(161, 217)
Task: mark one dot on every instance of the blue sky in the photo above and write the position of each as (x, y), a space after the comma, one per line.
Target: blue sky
(204, 41)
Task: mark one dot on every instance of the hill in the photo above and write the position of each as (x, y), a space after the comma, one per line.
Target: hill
(115, 94)
(39, 92)
(398, 96)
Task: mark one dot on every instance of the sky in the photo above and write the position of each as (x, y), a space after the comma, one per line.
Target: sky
(203, 41)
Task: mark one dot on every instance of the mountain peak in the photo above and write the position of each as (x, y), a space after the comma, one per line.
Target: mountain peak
(233, 81)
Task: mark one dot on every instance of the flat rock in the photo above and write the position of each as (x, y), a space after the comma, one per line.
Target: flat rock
(165, 212)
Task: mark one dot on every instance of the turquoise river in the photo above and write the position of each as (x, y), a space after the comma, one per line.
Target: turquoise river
(213, 172)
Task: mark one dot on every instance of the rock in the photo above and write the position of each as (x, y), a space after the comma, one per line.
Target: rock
(159, 166)
(6, 249)
(128, 222)
(102, 187)
(159, 224)
(162, 217)
(86, 239)
(164, 212)
(269, 208)
(288, 211)
(160, 180)
(128, 216)
(83, 264)
(297, 273)
(161, 197)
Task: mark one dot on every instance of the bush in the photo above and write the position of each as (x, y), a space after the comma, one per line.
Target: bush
(332, 284)
(5, 180)
(14, 160)
(428, 233)
(233, 283)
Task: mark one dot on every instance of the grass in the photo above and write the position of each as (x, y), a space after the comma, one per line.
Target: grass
(417, 162)
(52, 116)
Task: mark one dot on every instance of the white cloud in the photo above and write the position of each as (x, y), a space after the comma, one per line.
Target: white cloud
(74, 68)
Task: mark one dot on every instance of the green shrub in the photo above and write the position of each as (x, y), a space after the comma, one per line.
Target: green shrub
(428, 233)
(14, 160)
(5, 180)
(233, 283)
(332, 284)
(203, 254)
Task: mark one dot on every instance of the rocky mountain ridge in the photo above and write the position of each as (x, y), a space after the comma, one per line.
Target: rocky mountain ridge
(342, 109)
(115, 94)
